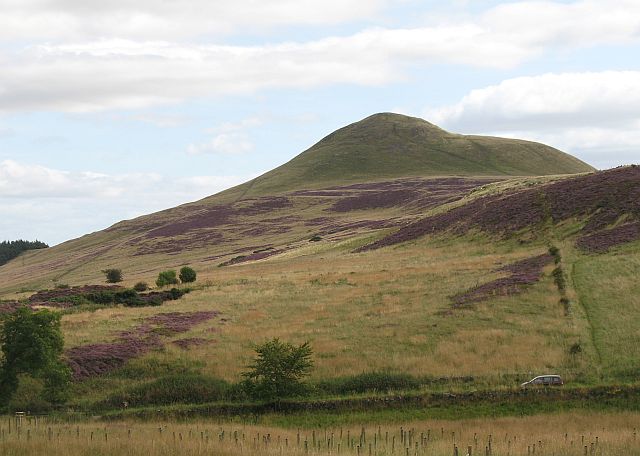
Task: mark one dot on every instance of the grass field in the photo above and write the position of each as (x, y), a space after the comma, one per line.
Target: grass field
(609, 290)
(392, 315)
(559, 434)
(389, 311)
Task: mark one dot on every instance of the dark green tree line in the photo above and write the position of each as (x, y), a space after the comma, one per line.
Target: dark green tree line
(11, 249)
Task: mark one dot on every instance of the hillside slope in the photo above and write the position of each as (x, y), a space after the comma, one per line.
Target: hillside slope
(485, 280)
(471, 301)
(382, 172)
(605, 204)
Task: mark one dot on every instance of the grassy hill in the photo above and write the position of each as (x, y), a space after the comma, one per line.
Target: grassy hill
(384, 166)
(454, 279)
(389, 145)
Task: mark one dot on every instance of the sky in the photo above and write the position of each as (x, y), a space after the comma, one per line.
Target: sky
(114, 109)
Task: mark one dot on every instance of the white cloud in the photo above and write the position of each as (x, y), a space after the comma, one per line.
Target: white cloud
(54, 205)
(578, 23)
(594, 115)
(548, 101)
(152, 19)
(5, 132)
(18, 180)
(159, 120)
(229, 138)
(121, 72)
(223, 143)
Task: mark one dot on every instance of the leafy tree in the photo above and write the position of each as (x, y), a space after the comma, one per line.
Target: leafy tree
(167, 278)
(113, 275)
(278, 370)
(187, 274)
(32, 345)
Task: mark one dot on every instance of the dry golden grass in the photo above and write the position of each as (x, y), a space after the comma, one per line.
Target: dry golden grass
(560, 435)
(364, 312)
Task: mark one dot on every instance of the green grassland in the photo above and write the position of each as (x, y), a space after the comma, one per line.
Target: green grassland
(391, 145)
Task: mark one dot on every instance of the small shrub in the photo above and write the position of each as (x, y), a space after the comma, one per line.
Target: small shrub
(100, 297)
(187, 274)
(141, 286)
(113, 275)
(555, 253)
(575, 349)
(62, 286)
(558, 278)
(128, 298)
(566, 304)
(315, 238)
(167, 278)
(177, 293)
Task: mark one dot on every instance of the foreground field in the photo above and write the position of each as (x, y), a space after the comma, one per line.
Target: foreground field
(562, 434)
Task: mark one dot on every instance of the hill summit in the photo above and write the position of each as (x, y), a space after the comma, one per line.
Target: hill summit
(389, 145)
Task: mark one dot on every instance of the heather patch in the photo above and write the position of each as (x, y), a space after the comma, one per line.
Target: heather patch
(374, 200)
(253, 257)
(208, 218)
(189, 342)
(602, 197)
(94, 295)
(318, 221)
(420, 193)
(179, 322)
(192, 240)
(8, 307)
(602, 241)
(60, 296)
(321, 193)
(428, 184)
(99, 359)
(218, 216)
(523, 273)
(360, 224)
(263, 229)
(262, 205)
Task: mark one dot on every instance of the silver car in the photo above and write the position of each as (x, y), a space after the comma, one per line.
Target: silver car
(544, 380)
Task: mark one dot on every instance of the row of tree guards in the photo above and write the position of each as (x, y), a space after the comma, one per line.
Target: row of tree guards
(403, 442)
